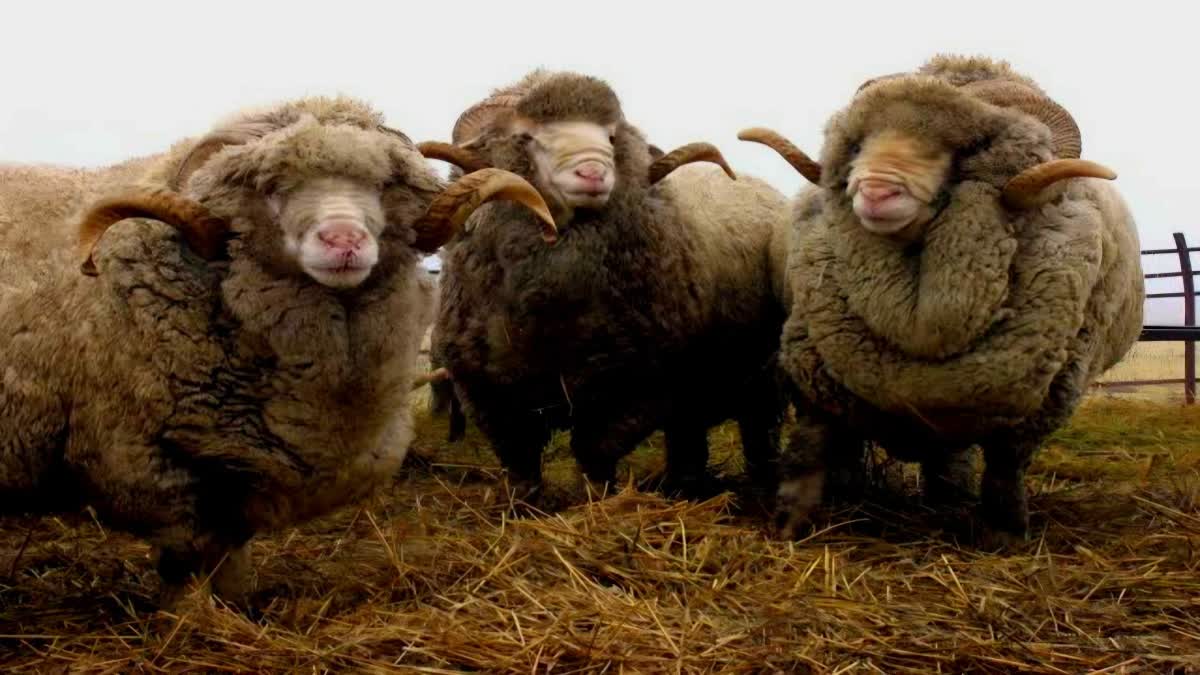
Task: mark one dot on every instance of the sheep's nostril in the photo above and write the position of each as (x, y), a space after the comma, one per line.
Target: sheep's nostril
(342, 236)
(877, 191)
(590, 171)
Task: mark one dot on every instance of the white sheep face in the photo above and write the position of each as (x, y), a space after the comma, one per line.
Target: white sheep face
(894, 180)
(331, 228)
(574, 161)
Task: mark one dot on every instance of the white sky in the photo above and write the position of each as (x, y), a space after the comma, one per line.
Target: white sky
(92, 83)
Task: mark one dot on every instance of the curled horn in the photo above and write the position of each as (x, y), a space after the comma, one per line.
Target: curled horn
(881, 78)
(204, 233)
(692, 152)
(211, 144)
(1066, 138)
(395, 132)
(1025, 190)
(794, 156)
(463, 158)
(477, 117)
(450, 209)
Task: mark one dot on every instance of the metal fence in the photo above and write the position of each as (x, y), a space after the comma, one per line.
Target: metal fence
(1188, 333)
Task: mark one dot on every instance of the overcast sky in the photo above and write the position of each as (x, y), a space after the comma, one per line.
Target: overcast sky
(93, 83)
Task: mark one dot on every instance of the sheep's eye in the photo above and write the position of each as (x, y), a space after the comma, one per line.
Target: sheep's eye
(854, 148)
(612, 139)
(524, 137)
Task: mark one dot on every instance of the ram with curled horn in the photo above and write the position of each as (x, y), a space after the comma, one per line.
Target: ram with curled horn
(659, 307)
(243, 336)
(960, 277)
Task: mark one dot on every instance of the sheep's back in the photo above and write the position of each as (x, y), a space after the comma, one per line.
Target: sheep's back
(740, 231)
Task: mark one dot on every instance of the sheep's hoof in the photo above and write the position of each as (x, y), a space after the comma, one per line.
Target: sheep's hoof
(525, 496)
(795, 501)
(997, 540)
(231, 581)
(691, 486)
(169, 596)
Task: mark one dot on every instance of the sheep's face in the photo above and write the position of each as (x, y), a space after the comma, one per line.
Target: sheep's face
(898, 151)
(331, 228)
(574, 163)
(894, 180)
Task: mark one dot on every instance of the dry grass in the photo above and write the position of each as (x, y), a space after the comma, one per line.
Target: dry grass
(437, 576)
(1148, 361)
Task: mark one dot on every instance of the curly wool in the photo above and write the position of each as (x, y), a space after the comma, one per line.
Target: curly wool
(199, 403)
(970, 331)
(656, 311)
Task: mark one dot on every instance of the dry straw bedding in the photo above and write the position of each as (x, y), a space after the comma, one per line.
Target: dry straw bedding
(438, 575)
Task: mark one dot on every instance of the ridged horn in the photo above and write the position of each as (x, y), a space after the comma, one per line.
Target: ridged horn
(794, 156)
(450, 209)
(461, 157)
(686, 154)
(1066, 138)
(474, 119)
(1024, 190)
(204, 233)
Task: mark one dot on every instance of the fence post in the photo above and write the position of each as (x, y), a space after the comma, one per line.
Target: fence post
(1189, 318)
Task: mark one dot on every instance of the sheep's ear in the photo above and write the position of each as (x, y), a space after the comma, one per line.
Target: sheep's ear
(204, 233)
(655, 152)
(692, 152)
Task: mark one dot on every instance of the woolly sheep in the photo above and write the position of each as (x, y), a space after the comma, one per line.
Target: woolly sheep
(196, 398)
(654, 311)
(960, 277)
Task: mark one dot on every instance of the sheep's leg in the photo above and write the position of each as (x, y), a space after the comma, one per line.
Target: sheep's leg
(687, 461)
(846, 469)
(231, 579)
(518, 440)
(1004, 507)
(822, 463)
(181, 561)
(177, 565)
(950, 476)
(800, 474)
(599, 442)
(759, 426)
(457, 427)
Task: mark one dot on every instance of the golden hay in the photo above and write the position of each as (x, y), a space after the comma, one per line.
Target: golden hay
(436, 575)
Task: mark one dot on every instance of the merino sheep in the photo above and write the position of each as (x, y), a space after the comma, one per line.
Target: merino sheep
(253, 379)
(654, 311)
(960, 277)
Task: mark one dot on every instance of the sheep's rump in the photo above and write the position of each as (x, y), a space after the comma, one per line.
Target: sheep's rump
(38, 203)
(977, 326)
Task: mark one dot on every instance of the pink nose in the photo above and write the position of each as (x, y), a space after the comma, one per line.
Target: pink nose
(341, 235)
(877, 190)
(593, 172)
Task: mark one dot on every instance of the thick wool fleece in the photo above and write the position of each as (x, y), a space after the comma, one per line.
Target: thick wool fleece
(43, 199)
(655, 312)
(988, 329)
(198, 403)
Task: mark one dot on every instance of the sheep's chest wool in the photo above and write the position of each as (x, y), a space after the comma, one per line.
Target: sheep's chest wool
(227, 356)
(655, 310)
(961, 279)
